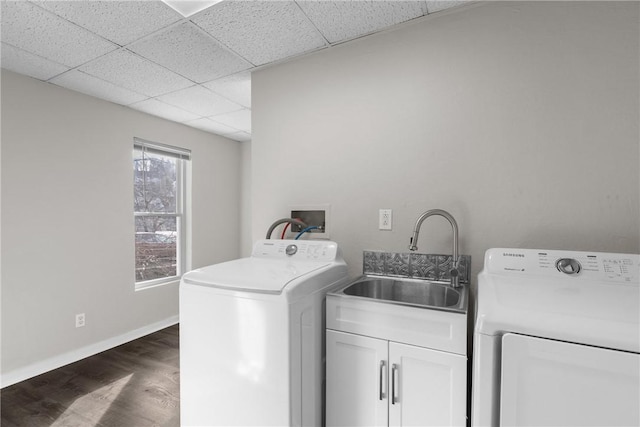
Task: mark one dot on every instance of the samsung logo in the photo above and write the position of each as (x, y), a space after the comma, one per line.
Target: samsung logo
(511, 254)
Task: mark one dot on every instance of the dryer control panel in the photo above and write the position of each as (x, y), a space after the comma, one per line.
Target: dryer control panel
(303, 250)
(601, 266)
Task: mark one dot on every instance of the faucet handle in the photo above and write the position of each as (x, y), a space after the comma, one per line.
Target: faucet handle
(455, 277)
(455, 263)
(454, 273)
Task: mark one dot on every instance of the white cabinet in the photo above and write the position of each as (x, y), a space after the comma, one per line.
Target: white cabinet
(430, 387)
(376, 382)
(357, 380)
(393, 365)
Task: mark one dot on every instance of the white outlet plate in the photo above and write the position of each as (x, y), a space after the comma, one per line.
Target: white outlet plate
(80, 320)
(385, 219)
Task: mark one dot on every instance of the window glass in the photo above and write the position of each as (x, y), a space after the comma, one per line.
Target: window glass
(158, 214)
(156, 248)
(155, 183)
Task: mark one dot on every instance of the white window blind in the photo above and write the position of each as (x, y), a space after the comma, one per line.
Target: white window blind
(162, 149)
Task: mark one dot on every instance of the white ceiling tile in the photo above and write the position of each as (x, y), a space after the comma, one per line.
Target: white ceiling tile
(436, 6)
(191, 52)
(35, 30)
(119, 21)
(216, 48)
(126, 69)
(344, 20)
(31, 65)
(166, 111)
(188, 7)
(200, 100)
(240, 136)
(237, 88)
(81, 82)
(238, 119)
(211, 126)
(261, 31)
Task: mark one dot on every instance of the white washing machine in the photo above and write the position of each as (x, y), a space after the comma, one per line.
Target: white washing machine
(252, 336)
(557, 339)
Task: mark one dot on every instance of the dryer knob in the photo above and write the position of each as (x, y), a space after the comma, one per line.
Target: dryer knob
(291, 249)
(568, 266)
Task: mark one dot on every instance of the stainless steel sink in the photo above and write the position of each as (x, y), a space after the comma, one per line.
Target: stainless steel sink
(406, 291)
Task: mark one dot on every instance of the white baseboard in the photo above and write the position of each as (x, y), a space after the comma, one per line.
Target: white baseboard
(24, 373)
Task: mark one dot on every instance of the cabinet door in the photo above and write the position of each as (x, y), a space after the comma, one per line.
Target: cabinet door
(357, 380)
(428, 387)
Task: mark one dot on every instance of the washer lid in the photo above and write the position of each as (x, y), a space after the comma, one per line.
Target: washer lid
(252, 274)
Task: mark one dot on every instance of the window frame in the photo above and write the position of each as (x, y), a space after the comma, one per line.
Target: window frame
(183, 157)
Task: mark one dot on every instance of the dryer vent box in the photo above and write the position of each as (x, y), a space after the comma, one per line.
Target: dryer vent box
(312, 216)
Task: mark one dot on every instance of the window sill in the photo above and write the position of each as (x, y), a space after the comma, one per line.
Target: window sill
(149, 284)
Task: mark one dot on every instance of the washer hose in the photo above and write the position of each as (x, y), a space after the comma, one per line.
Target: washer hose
(282, 221)
(313, 227)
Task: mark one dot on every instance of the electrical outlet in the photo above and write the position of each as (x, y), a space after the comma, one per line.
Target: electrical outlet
(385, 219)
(80, 320)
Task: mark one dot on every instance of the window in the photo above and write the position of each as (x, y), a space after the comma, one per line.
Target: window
(159, 211)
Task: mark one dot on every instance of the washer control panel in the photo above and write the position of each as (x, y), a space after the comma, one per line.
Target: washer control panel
(609, 267)
(315, 250)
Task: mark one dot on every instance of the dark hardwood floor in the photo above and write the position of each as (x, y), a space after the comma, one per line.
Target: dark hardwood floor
(134, 385)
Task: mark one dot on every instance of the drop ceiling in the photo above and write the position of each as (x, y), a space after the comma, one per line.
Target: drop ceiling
(194, 70)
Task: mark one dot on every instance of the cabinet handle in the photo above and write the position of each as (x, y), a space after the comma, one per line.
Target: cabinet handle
(394, 385)
(383, 370)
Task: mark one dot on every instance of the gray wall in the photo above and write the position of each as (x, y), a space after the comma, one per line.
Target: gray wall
(521, 119)
(67, 222)
(246, 239)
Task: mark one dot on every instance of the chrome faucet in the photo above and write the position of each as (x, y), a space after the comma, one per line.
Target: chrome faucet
(413, 243)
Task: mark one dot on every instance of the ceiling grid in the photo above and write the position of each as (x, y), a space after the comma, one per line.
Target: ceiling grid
(194, 70)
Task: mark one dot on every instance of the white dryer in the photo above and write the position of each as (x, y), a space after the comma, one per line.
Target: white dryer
(557, 339)
(252, 336)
